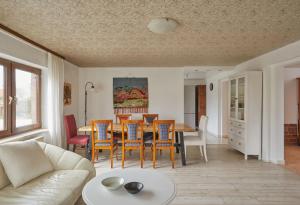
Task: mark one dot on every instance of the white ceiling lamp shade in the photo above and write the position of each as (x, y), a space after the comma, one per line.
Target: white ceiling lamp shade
(162, 25)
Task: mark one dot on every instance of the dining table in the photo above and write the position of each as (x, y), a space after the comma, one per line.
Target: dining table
(179, 138)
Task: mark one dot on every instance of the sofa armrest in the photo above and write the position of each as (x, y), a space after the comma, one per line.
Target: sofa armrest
(63, 159)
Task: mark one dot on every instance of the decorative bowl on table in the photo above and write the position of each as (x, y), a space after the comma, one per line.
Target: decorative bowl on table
(112, 183)
(134, 187)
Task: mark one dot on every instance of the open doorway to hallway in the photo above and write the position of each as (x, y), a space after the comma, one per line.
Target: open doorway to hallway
(194, 104)
(291, 117)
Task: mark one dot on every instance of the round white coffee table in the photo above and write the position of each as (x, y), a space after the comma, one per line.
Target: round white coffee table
(159, 189)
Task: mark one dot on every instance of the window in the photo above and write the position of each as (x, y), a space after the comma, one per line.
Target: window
(20, 98)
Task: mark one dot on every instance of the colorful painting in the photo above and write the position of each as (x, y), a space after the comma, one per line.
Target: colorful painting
(67, 94)
(130, 95)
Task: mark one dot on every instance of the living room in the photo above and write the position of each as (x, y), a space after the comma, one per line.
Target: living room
(93, 108)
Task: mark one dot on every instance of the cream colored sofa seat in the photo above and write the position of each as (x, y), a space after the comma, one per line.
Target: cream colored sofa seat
(62, 186)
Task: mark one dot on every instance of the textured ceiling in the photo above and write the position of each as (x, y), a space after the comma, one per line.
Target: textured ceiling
(114, 32)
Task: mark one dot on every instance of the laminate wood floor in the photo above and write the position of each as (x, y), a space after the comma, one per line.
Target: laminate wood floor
(226, 179)
(292, 158)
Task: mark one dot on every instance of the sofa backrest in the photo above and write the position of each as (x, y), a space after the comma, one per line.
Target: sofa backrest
(61, 160)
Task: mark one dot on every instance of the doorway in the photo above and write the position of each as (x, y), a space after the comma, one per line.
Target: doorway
(194, 104)
(291, 118)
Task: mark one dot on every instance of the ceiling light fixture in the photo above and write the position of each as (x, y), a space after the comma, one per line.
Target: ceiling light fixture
(162, 25)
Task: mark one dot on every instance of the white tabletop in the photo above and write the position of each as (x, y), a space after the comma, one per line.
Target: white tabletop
(159, 189)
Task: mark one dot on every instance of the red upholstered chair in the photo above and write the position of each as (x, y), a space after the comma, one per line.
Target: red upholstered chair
(71, 132)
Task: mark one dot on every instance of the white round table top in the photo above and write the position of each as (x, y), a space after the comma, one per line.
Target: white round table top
(158, 189)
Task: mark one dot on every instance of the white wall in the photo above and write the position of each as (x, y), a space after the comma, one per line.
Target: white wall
(291, 95)
(213, 102)
(194, 81)
(165, 86)
(71, 76)
(20, 51)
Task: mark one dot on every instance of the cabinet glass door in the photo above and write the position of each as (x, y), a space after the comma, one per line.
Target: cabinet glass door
(241, 99)
(233, 98)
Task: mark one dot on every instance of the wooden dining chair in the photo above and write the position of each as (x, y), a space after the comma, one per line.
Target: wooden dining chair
(149, 118)
(121, 117)
(165, 131)
(133, 140)
(102, 139)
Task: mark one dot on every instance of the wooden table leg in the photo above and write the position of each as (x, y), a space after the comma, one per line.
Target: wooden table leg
(182, 149)
(176, 141)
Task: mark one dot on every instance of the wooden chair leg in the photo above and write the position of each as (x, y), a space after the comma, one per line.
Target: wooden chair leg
(141, 156)
(116, 150)
(68, 146)
(74, 147)
(98, 152)
(111, 157)
(151, 153)
(123, 157)
(172, 158)
(160, 152)
(154, 157)
(93, 155)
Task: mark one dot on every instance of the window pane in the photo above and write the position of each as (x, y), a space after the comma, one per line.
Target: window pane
(2, 99)
(26, 93)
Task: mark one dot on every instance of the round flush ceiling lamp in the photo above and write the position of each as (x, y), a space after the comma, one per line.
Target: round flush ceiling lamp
(162, 25)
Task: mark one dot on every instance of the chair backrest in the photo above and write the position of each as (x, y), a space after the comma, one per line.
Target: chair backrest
(203, 127)
(149, 118)
(121, 117)
(133, 128)
(164, 128)
(70, 126)
(101, 130)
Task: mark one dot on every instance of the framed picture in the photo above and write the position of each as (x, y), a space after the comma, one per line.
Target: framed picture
(130, 95)
(67, 94)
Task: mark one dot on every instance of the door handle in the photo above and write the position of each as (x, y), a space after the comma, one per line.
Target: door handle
(10, 100)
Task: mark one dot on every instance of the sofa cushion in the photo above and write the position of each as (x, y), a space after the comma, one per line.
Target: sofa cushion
(24, 161)
(4, 181)
(62, 187)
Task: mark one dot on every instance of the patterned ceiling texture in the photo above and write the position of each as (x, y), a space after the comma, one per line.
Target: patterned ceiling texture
(114, 32)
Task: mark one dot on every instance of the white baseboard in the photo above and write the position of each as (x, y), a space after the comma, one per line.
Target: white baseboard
(279, 162)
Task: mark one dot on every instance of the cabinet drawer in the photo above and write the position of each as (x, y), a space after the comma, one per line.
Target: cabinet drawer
(240, 145)
(231, 130)
(235, 131)
(236, 124)
(240, 124)
(240, 132)
(237, 143)
(232, 141)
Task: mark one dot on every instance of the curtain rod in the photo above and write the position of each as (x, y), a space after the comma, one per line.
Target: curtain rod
(9, 30)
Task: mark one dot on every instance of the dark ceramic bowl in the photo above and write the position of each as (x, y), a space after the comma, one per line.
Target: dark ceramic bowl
(134, 187)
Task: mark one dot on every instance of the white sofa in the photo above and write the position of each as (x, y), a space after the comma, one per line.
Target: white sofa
(62, 186)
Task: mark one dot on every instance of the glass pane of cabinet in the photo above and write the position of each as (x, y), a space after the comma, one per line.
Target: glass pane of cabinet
(233, 84)
(241, 99)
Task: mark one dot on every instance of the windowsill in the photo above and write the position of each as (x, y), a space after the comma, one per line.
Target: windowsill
(37, 134)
